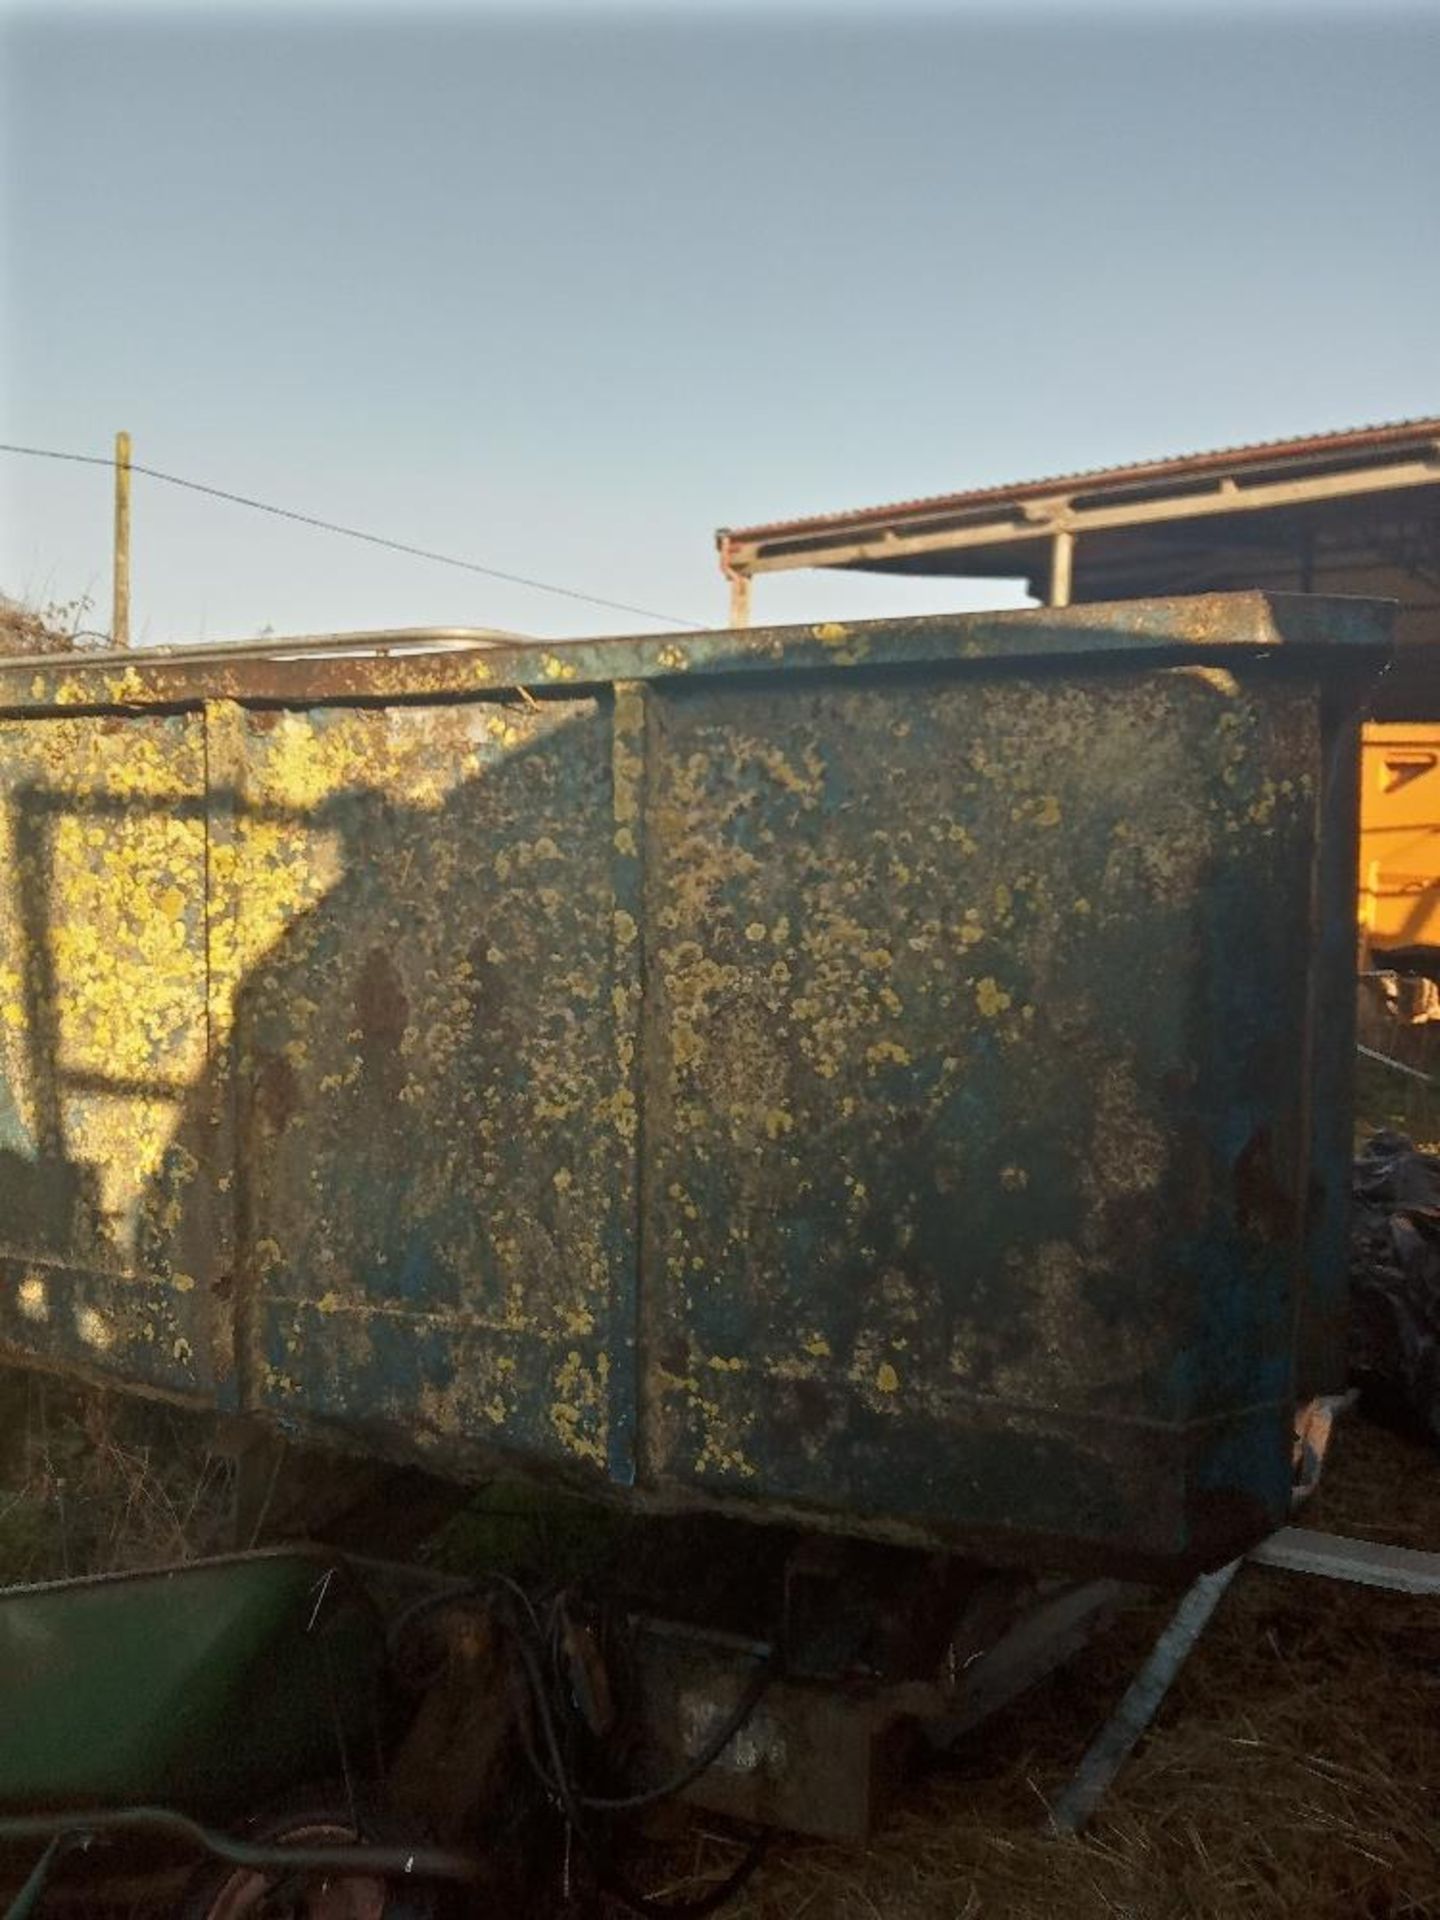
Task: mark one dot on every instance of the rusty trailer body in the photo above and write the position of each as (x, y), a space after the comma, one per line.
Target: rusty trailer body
(860, 1077)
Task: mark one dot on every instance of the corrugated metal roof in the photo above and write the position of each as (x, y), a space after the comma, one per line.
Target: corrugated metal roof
(1176, 466)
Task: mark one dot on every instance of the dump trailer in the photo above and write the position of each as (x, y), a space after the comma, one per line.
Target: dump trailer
(885, 1079)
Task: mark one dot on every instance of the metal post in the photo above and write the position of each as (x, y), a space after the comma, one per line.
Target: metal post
(739, 582)
(120, 623)
(1121, 1732)
(1062, 563)
(739, 599)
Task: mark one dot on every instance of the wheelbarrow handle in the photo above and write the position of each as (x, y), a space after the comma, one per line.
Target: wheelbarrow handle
(28, 1898)
(64, 1830)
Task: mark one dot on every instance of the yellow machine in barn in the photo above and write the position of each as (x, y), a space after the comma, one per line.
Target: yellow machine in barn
(1400, 841)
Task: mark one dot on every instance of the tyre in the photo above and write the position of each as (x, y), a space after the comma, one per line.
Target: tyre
(221, 1892)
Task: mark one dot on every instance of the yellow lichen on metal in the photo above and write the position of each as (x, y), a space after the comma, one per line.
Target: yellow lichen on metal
(102, 969)
(723, 1431)
(33, 1298)
(429, 1028)
(991, 998)
(578, 1412)
(839, 956)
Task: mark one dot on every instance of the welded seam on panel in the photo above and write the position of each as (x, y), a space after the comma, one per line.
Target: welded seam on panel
(230, 1293)
(628, 765)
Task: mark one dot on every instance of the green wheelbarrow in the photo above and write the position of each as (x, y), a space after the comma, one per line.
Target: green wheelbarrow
(149, 1714)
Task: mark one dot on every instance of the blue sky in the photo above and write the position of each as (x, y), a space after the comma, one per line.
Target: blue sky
(562, 291)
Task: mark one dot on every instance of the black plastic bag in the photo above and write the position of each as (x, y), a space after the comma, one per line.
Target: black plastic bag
(1395, 1285)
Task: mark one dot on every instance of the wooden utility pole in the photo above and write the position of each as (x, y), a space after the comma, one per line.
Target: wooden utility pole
(120, 622)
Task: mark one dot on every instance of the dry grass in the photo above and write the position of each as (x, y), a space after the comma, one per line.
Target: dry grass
(1294, 1768)
(97, 1483)
(55, 628)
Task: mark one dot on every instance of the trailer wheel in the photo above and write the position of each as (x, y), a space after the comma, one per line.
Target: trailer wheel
(221, 1892)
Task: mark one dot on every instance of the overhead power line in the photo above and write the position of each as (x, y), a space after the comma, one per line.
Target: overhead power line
(355, 533)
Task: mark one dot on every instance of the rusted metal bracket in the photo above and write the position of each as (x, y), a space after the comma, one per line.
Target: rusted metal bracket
(1043, 1639)
(821, 1755)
